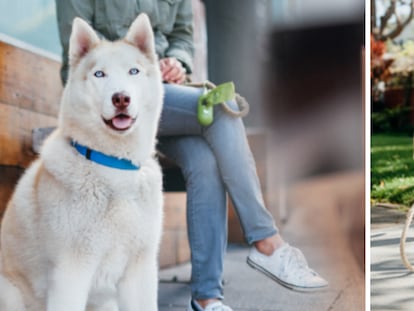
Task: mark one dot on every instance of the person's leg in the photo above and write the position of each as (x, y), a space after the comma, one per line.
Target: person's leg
(227, 140)
(206, 212)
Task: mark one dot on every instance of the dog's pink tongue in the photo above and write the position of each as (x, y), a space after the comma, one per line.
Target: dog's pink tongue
(122, 122)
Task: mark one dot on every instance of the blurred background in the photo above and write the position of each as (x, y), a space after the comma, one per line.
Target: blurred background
(392, 165)
(392, 114)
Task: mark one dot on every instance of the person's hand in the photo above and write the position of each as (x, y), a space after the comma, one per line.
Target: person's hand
(172, 70)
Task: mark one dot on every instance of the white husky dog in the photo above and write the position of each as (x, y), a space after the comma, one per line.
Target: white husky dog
(82, 229)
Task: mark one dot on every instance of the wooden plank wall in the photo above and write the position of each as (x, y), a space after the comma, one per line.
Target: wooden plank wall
(30, 91)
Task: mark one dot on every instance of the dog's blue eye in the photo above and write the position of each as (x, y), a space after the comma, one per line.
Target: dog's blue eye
(133, 71)
(99, 74)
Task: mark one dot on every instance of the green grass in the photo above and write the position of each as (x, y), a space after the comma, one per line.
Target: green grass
(392, 169)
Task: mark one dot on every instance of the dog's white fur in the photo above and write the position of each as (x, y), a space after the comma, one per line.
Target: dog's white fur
(77, 235)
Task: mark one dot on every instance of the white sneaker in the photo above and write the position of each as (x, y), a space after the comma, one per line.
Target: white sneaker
(287, 266)
(214, 306)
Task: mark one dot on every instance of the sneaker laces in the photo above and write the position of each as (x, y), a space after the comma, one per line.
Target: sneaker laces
(294, 263)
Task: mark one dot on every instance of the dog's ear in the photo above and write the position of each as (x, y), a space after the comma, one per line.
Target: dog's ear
(82, 39)
(140, 34)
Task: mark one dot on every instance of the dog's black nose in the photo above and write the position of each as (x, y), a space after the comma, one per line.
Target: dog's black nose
(121, 100)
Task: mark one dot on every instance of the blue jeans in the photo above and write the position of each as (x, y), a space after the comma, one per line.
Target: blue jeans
(214, 160)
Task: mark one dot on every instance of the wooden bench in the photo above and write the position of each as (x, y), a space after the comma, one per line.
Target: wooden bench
(30, 88)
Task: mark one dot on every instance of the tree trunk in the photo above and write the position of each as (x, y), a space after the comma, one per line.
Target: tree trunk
(408, 90)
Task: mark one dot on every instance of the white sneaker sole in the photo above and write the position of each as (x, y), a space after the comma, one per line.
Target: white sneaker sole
(293, 287)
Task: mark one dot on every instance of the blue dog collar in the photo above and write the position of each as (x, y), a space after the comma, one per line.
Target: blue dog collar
(104, 159)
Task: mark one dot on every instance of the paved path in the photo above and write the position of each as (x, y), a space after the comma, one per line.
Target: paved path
(392, 285)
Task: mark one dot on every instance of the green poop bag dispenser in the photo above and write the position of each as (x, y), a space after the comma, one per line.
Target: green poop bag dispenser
(221, 93)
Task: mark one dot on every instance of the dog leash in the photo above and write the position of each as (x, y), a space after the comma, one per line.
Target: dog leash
(404, 257)
(218, 94)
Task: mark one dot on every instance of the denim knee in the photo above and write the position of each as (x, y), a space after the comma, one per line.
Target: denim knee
(200, 165)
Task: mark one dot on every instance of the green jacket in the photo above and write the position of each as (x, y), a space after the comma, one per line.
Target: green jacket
(172, 22)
